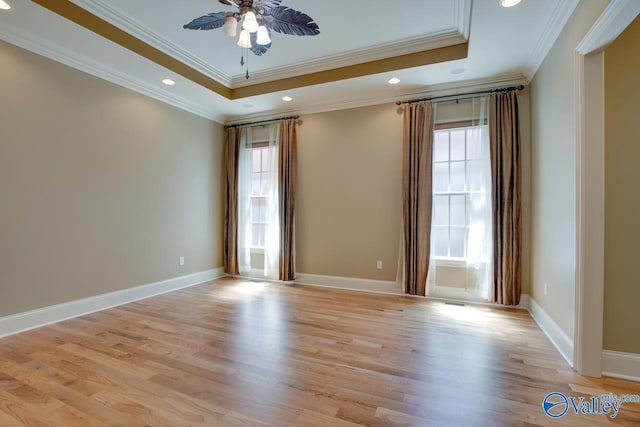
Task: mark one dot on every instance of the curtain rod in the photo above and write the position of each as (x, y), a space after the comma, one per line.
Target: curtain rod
(466, 95)
(262, 122)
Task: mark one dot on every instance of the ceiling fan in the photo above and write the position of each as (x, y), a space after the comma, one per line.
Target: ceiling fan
(258, 18)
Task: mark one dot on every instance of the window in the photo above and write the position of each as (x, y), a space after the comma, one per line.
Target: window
(259, 194)
(457, 185)
(258, 219)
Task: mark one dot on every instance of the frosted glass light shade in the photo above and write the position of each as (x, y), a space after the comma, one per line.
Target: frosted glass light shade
(509, 3)
(263, 35)
(250, 23)
(245, 39)
(230, 26)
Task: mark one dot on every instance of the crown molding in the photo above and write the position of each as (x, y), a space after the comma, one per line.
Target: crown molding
(49, 49)
(354, 57)
(465, 86)
(613, 21)
(457, 34)
(443, 89)
(559, 16)
(116, 17)
(463, 17)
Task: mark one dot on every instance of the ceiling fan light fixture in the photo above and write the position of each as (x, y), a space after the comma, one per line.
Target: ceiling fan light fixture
(230, 26)
(509, 3)
(4, 5)
(257, 18)
(263, 36)
(249, 22)
(245, 39)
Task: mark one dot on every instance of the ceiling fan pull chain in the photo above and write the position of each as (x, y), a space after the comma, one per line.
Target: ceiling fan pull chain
(246, 76)
(242, 62)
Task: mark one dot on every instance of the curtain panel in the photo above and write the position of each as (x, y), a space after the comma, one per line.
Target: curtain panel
(232, 152)
(504, 140)
(417, 176)
(272, 229)
(287, 167)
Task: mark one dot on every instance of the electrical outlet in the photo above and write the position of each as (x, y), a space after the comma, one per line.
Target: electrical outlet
(181, 260)
(379, 264)
(546, 289)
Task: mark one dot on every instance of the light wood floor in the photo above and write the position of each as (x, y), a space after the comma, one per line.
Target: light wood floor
(239, 353)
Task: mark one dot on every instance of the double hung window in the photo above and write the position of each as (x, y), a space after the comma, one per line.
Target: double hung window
(457, 185)
(259, 194)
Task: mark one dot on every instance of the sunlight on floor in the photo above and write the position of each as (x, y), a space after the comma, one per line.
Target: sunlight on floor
(240, 289)
(476, 314)
(464, 313)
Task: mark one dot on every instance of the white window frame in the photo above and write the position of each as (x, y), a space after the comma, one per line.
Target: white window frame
(449, 261)
(257, 145)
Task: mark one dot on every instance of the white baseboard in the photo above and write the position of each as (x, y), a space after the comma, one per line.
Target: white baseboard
(379, 286)
(524, 302)
(21, 322)
(559, 338)
(621, 365)
(350, 283)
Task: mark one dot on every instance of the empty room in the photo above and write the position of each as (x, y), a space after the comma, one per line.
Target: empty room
(304, 213)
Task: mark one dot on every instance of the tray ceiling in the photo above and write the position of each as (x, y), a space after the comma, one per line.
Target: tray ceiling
(431, 45)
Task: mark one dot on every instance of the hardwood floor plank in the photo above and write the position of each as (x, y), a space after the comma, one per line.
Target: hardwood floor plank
(242, 353)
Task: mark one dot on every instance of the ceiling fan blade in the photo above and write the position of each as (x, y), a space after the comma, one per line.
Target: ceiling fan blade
(285, 20)
(227, 2)
(208, 22)
(266, 5)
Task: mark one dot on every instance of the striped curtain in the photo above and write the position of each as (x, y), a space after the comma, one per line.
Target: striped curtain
(417, 175)
(504, 145)
(286, 193)
(232, 152)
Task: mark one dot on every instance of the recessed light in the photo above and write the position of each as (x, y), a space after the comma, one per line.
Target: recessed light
(4, 5)
(168, 82)
(394, 81)
(457, 71)
(509, 3)
(287, 99)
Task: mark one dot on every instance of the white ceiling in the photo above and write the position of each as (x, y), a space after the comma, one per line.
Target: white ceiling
(506, 46)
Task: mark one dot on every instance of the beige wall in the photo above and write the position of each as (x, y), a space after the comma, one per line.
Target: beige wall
(100, 188)
(553, 171)
(349, 200)
(622, 198)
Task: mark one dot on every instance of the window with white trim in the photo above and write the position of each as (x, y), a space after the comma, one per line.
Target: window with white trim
(259, 193)
(457, 169)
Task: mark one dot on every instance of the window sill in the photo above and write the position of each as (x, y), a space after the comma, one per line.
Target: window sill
(453, 262)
